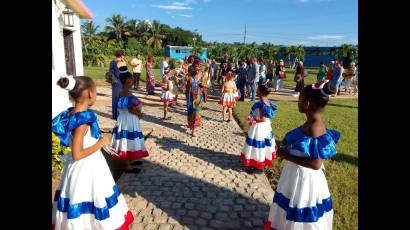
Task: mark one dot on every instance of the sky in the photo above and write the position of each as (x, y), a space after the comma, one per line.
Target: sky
(281, 22)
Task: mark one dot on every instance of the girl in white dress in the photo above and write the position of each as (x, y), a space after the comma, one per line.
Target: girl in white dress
(260, 146)
(302, 199)
(167, 95)
(87, 197)
(127, 137)
(228, 98)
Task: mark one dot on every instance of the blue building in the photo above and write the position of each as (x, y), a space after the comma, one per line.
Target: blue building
(313, 55)
(180, 52)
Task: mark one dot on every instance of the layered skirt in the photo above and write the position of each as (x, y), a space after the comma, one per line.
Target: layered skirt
(260, 147)
(302, 201)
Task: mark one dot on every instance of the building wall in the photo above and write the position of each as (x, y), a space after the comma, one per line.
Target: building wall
(60, 98)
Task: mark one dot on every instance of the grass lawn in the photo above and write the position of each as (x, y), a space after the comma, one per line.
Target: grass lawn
(98, 75)
(341, 171)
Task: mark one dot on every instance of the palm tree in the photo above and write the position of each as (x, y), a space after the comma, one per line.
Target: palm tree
(88, 30)
(289, 51)
(156, 36)
(131, 28)
(116, 25)
(300, 52)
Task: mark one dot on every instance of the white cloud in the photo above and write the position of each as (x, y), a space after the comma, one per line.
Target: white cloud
(172, 7)
(326, 37)
(179, 3)
(186, 15)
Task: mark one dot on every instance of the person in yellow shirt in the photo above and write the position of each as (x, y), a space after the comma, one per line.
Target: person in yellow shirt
(136, 64)
(348, 75)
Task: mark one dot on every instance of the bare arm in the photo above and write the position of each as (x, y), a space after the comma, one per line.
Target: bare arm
(305, 162)
(78, 150)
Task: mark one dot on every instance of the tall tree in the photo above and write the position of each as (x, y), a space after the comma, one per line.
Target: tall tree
(156, 37)
(289, 51)
(88, 30)
(116, 25)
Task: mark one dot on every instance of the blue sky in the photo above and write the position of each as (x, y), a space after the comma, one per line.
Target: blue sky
(281, 22)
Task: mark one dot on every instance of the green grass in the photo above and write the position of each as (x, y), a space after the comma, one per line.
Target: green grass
(342, 170)
(98, 75)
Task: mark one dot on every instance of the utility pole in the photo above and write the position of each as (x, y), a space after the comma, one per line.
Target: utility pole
(244, 36)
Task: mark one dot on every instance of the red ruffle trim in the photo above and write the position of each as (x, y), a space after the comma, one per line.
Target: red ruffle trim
(130, 155)
(257, 164)
(168, 100)
(129, 218)
(228, 104)
(267, 226)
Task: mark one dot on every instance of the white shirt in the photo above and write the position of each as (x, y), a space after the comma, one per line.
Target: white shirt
(164, 65)
(136, 65)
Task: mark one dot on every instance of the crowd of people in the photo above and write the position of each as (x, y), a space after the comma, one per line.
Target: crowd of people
(86, 179)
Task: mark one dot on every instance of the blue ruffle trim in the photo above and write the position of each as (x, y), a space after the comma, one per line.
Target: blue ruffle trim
(268, 111)
(323, 147)
(63, 125)
(75, 210)
(127, 134)
(260, 144)
(125, 102)
(307, 214)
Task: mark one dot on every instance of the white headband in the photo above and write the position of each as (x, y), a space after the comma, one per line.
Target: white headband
(71, 82)
(319, 86)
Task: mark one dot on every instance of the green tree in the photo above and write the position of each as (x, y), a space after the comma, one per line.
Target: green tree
(156, 37)
(88, 31)
(116, 25)
(289, 51)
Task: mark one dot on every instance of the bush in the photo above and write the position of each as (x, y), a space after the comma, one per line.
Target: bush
(57, 151)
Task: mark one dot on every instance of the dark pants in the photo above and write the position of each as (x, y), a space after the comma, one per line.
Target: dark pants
(136, 79)
(300, 85)
(241, 88)
(116, 88)
(269, 76)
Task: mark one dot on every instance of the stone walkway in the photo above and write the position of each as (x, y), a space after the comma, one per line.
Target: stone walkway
(190, 182)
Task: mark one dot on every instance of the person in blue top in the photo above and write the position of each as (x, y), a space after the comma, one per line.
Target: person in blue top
(259, 149)
(253, 77)
(116, 83)
(87, 196)
(241, 81)
(302, 199)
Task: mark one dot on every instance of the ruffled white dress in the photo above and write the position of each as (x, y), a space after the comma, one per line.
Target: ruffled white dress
(127, 137)
(87, 197)
(302, 200)
(260, 146)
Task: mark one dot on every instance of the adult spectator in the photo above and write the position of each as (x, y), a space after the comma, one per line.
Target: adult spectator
(299, 78)
(115, 65)
(164, 65)
(337, 78)
(253, 77)
(348, 75)
(242, 75)
(269, 70)
(262, 71)
(224, 68)
(321, 75)
(136, 64)
(150, 82)
(280, 74)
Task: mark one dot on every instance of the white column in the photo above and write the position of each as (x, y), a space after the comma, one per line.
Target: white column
(78, 52)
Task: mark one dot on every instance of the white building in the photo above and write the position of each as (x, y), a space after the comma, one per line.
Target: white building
(67, 56)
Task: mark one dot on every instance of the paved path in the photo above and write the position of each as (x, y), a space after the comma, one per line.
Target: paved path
(190, 182)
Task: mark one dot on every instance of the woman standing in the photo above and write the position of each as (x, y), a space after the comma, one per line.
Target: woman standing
(299, 78)
(195, 96)
(115, 65)
(262, 71)
(150, 76)
(321, 75)
(280, 74)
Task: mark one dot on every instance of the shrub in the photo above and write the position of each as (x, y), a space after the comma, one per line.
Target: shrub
(57, 151)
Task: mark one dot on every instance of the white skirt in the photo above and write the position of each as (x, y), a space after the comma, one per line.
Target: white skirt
(302, 200)
(87, 197)
(127, 137)
(260, 146)
(167, 96)
(228, 99)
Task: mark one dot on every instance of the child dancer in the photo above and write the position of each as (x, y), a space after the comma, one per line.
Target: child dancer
(178, 80)
(87, 197)
(259, 150)
(127, 138)
(228, 99)
(302, 199)
(167, 97)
